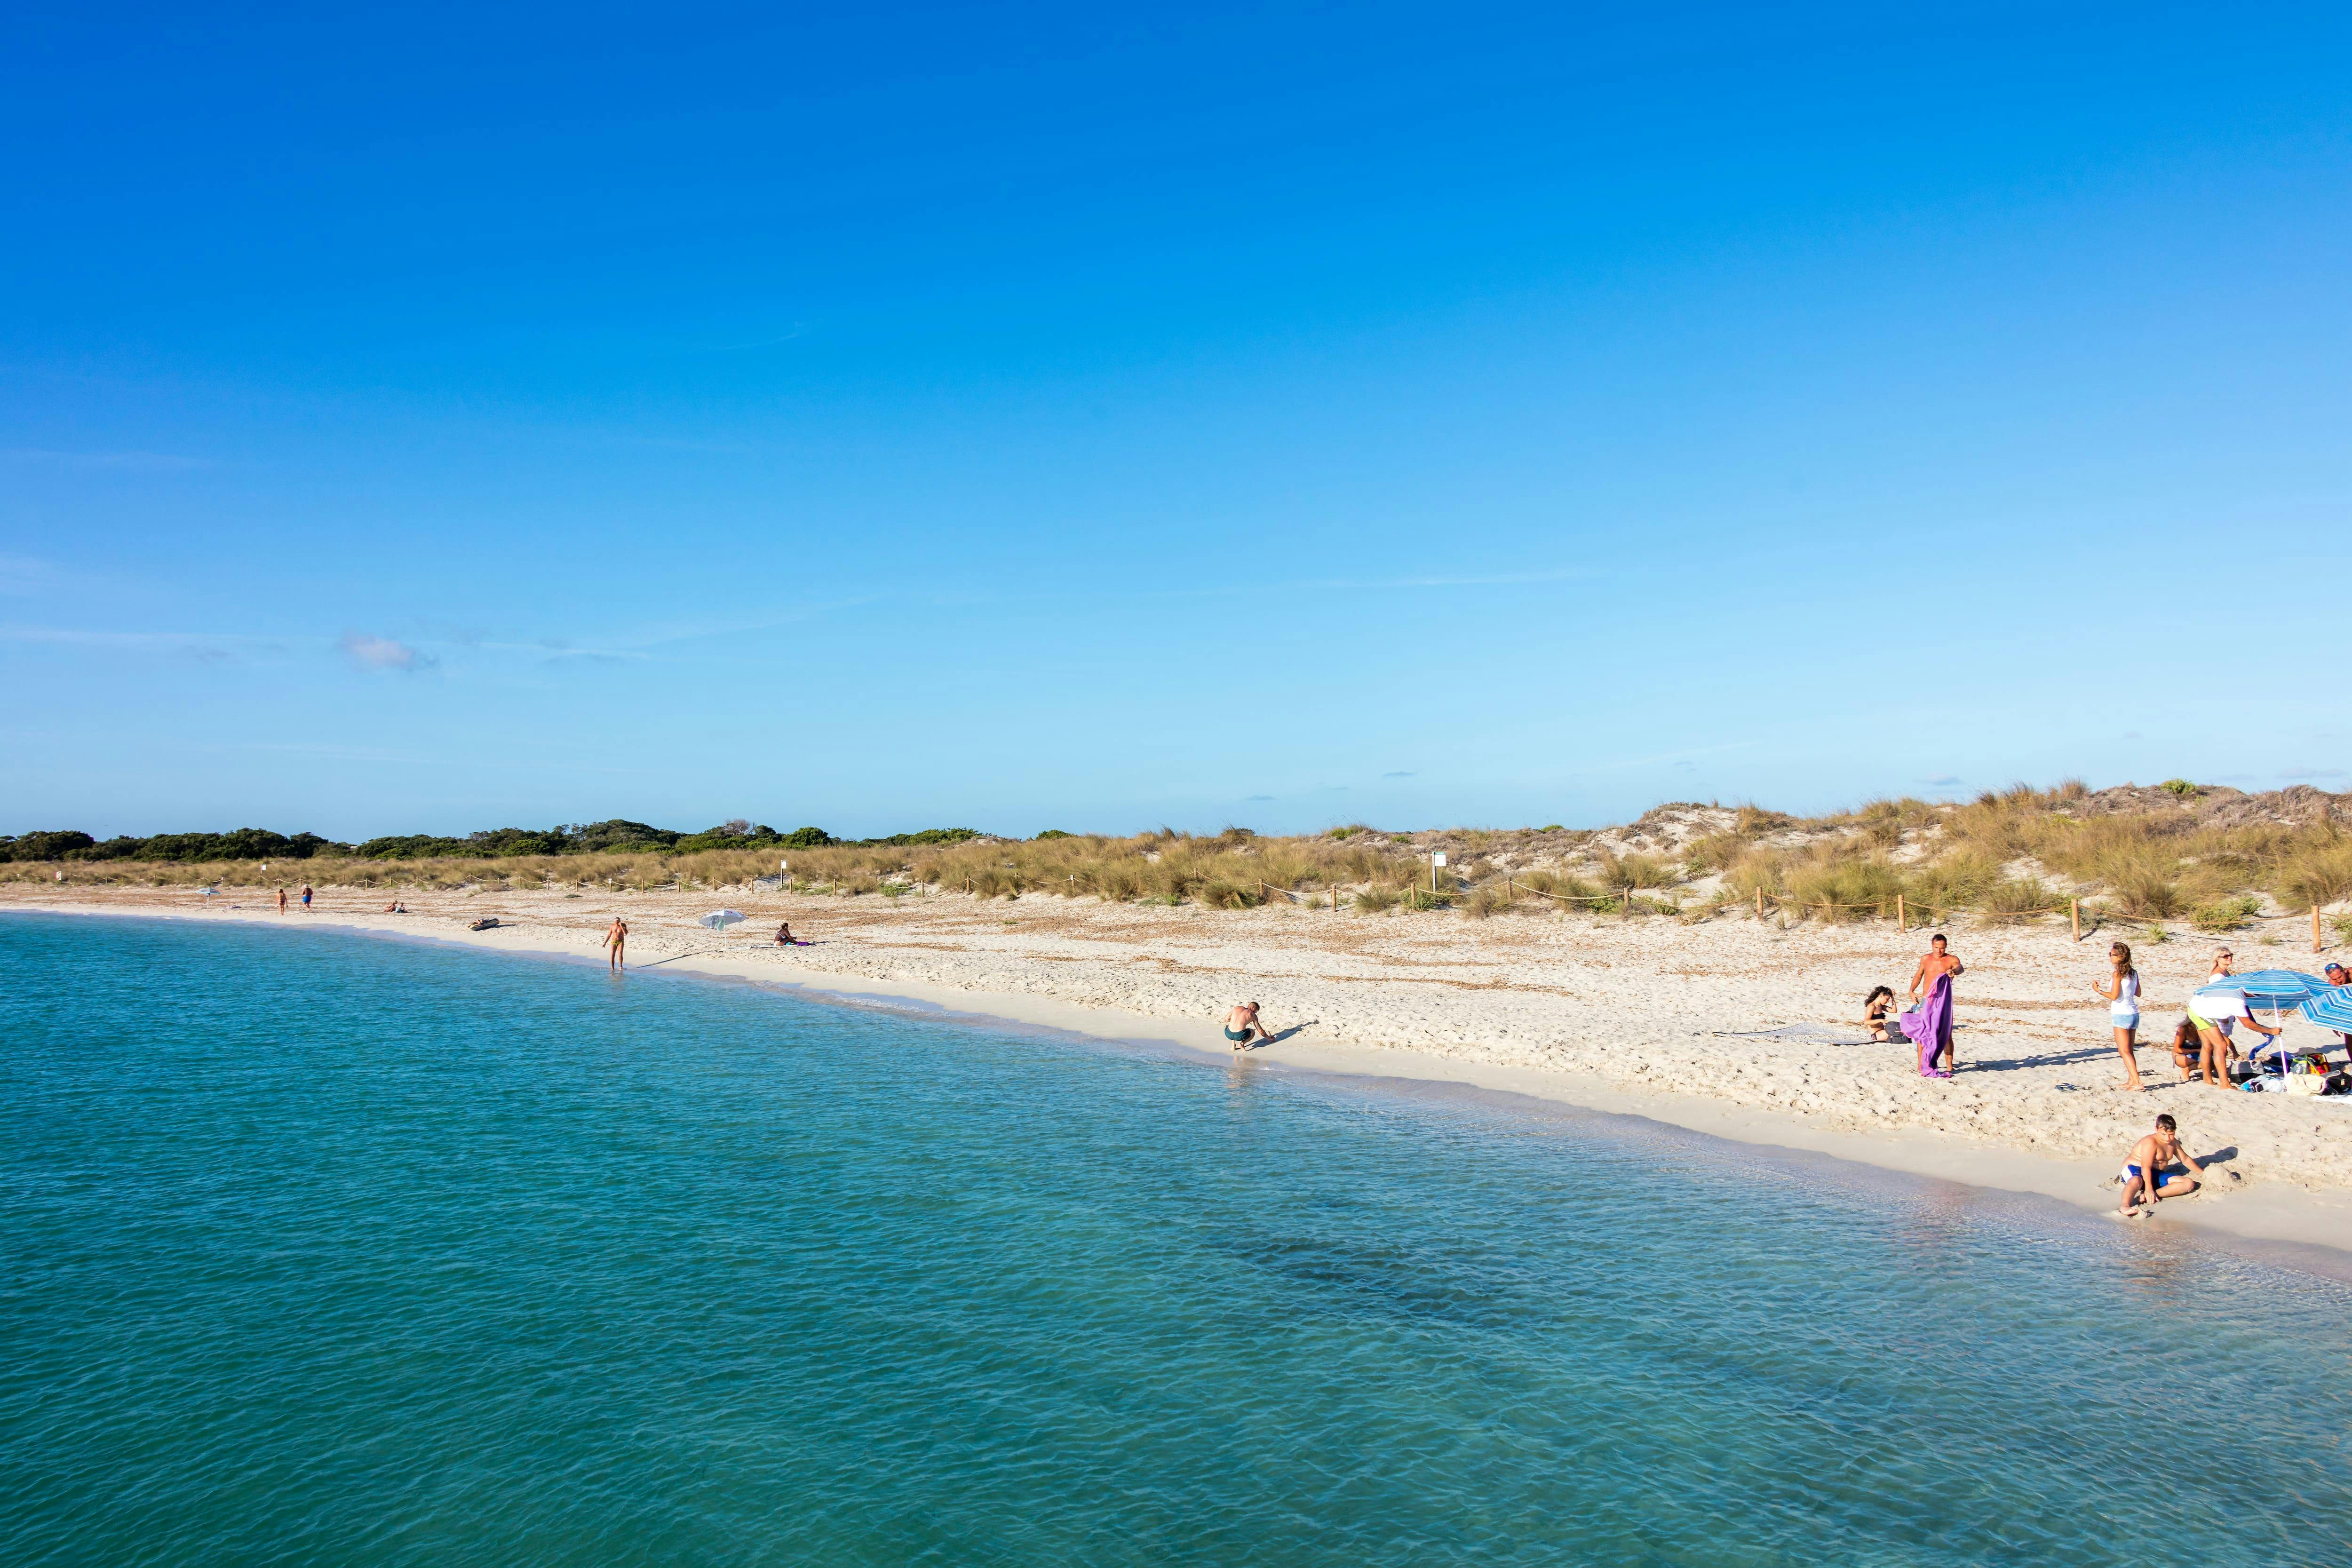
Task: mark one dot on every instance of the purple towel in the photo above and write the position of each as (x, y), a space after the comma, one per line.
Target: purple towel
(1930, 1025)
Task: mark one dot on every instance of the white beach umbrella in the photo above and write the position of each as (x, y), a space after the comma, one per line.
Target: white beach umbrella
(719, 919)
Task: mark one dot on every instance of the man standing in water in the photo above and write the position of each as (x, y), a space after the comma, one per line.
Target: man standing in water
(1938, 963)
(616, 938)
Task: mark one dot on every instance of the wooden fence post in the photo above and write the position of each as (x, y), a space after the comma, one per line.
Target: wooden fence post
(2315, 928)
(1759, 903)
(1902, 921)
(2074, 917)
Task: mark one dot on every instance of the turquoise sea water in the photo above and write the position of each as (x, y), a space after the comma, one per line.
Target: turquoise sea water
(325, 1249)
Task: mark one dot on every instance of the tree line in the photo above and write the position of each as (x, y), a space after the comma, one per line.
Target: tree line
(616, 836)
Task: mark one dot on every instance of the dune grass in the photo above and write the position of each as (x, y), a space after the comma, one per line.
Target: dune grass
(2006, 854)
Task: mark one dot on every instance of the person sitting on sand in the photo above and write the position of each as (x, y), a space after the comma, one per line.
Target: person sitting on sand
(1242, 1023)
(617, 937)
(1876, 1012)
(2120, 991)
(395, 908)
(2159, 1168)
(2184, 1048)
(784, 935)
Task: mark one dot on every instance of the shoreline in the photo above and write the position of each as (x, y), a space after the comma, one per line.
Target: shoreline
(2274, 1212)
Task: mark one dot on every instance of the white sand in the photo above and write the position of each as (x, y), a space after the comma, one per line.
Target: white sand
(1613, 1015)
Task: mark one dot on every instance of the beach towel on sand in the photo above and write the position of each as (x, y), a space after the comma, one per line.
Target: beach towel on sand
(1929, 1025)
(1820, 1034)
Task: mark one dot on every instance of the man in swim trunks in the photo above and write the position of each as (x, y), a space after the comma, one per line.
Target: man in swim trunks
(306, 898)
(1939, 960)
(616, 938)
(1242, 1023)
(2160, 1168)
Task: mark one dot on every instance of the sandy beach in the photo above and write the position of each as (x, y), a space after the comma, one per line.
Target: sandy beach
(1611, 1014)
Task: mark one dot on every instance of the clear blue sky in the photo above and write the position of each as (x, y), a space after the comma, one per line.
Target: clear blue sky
(448, 417)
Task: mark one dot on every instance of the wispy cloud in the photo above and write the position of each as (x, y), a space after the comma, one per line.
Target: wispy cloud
(1403, 775)
(1257, 797)
(384, 653)
(2311, 773)
(1940, 779)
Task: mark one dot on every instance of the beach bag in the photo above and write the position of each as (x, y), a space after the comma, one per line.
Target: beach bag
(2307, 1083)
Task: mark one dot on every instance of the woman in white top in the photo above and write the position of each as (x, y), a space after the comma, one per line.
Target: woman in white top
(2121, 993)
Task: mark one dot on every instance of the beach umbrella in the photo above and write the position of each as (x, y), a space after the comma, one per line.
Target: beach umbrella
(2275, 991)
(2331, 1008)
(719, 919)
(2279, 990)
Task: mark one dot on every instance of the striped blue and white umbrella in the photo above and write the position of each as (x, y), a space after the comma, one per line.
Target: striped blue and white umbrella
(719, 919)
(2331, 1009)
(2275, 990)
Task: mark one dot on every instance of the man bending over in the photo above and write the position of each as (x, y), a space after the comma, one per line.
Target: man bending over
(1242, 1025)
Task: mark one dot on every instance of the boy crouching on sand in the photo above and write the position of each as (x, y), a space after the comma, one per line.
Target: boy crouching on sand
(2160, 1168)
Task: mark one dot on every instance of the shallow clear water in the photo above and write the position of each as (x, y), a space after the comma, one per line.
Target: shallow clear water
(323, 1248)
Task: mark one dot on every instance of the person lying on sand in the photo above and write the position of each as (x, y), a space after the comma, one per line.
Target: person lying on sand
(2159, 1168)
(1242, 1023)
(1877, 1010)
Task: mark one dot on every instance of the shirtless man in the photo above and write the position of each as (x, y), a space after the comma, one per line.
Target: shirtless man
(306, 898)
(2160, 1168)
(616, 938)
(1939, 960)
(1242, 1023)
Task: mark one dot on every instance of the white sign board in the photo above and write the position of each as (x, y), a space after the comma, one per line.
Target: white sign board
(1438, 859)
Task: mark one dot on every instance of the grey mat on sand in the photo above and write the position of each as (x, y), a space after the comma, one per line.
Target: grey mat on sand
(1820, 1034)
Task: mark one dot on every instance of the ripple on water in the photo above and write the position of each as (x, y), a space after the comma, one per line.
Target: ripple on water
(319, 1248)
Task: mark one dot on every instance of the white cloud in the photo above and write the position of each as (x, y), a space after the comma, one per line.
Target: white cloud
(384, 653)
(1940, 779)
(2311, 773)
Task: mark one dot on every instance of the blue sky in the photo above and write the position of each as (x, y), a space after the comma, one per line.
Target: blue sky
(1284, 416)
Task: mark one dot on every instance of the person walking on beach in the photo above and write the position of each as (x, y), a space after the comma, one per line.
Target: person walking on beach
(2120, 991)
(306, 898)
(617, 938)
(2160, 1168)
(281, 901)
(1929, 1025)
(1242, 1023)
